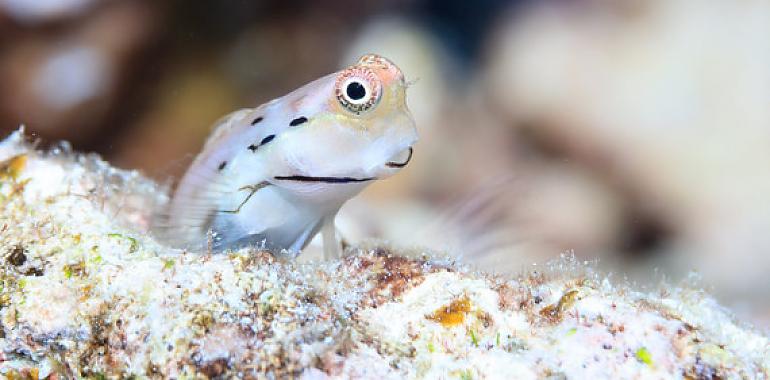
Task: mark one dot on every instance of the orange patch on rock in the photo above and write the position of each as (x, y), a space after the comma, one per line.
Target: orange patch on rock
(452, 314)
(11, 168)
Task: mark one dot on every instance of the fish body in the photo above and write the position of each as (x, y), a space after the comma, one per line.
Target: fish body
(275, 175)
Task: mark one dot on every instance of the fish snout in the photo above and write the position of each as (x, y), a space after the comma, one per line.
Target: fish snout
(401, 158)
(394, 163)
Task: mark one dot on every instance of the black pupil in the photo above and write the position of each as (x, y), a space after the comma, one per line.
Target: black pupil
(356, 91)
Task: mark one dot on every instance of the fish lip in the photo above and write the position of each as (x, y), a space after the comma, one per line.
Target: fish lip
(304, 178)
(392, 164)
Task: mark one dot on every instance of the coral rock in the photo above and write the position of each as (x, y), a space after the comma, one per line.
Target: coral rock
(96, 296)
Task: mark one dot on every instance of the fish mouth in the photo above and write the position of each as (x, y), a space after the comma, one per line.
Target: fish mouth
(304, 178)
(392, 164)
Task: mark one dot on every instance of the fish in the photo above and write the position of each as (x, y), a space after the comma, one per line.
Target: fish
(276, 175)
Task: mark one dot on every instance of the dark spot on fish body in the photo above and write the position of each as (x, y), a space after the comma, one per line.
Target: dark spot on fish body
(222, 165)
(298, 121)
(267, 139)
(257, 120)
(253, 148)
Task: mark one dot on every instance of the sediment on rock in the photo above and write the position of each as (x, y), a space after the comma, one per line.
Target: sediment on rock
(86, 292)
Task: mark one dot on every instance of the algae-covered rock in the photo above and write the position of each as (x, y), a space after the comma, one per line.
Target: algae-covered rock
(86, 292)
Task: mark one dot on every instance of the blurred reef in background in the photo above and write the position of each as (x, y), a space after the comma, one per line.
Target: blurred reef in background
(635, 132)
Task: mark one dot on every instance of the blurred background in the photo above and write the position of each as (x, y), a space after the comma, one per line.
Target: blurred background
(635, 132)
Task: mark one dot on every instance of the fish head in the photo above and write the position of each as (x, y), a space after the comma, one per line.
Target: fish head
(357, 127)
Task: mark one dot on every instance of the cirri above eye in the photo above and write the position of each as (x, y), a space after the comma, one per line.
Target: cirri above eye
(358, 89)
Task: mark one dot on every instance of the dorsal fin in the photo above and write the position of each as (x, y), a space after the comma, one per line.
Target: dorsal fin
(185, 221)
(208, 187)
(232, 123)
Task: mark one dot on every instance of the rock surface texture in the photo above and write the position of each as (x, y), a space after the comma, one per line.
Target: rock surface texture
(86, 292)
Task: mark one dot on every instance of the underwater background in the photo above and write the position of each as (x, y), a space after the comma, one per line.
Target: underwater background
(634, 133)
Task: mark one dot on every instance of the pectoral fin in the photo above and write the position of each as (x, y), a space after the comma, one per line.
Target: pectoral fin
(329, 234)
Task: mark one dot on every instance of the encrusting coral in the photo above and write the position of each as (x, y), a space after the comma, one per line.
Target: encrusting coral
(86, 292)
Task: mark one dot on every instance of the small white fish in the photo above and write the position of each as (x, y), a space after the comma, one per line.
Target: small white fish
(278, 173)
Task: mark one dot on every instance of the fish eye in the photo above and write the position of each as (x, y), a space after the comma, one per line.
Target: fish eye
(358, 90)
(355, 90)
